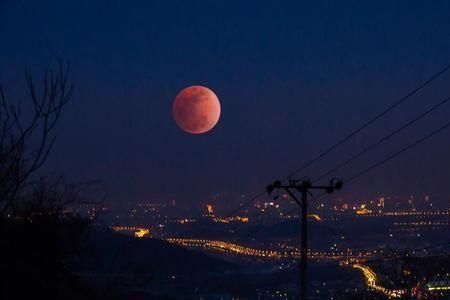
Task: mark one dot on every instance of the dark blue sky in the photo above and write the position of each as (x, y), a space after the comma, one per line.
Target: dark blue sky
(292, 78)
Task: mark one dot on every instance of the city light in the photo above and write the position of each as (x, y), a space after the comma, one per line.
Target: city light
(141, 233)
(284, 251)
(371, 281)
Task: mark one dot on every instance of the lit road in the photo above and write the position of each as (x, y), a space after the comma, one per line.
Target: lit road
(287, 252)
(371, 281)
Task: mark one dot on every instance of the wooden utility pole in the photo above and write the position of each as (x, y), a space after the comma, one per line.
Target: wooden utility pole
(303, 188)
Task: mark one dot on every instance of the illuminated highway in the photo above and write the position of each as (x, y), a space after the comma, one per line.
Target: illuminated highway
(139, 232)
(401, 224)
(371, 281)
(286, 252)
(347, 258)
(407, 213)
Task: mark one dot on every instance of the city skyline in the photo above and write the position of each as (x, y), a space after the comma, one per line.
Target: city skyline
(285, 97)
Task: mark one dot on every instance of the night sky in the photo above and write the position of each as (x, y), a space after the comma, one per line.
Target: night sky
(292, 79)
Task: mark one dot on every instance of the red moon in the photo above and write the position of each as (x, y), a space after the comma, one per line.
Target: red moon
(196, 109)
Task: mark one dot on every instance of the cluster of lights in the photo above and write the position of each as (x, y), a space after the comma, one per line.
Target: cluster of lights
(224, 246)
(408, 213)
(230, 219)
(424, 223)
(439, 284)
(315, 217)
(186, 221)
(439, 288)
(139, 232)
(371, 281)
(273, 294)
(142, 233)
(292, 252)
(126, 228)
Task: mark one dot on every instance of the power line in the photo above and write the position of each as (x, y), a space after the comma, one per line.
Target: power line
(382, 140)
(379, 163)
(352, 134)
(390, 157)
(346, 138)
(368, 123)
(376, 144)
(354, 177)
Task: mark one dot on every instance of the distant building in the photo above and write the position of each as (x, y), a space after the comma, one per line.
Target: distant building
(381, 202)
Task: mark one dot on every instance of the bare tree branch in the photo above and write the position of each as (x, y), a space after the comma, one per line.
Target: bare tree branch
(25, 143)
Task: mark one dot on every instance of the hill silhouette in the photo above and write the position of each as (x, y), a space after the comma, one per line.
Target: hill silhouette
(113, 254)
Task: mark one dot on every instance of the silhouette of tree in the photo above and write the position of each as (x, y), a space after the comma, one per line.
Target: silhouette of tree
(26, 136)
(43, 240)
(42, 231)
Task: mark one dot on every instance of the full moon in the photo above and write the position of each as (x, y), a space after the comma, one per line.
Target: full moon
(196, 109)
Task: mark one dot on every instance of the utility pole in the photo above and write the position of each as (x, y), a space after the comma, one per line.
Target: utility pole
(304, 188)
